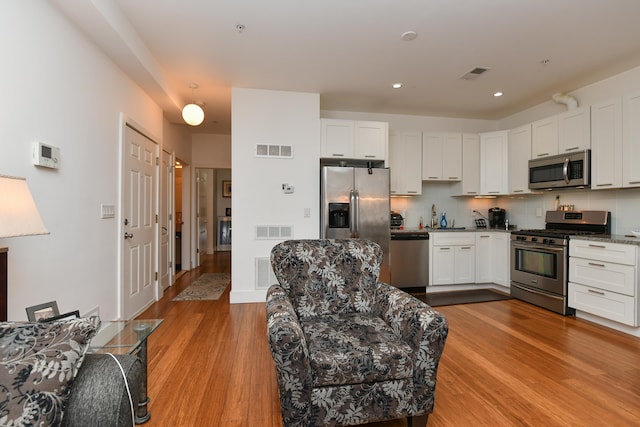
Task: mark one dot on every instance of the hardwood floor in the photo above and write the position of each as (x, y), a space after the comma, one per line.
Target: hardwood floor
(505, 363)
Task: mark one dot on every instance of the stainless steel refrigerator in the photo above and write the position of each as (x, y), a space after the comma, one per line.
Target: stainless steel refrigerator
(355, 204)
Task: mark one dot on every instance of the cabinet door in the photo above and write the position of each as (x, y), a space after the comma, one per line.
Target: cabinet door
(443, 266)
(470, 185)
(371, 140)
(574, 130)
(432, 149)
(493, 163)
(606, 144)
(631, 140)
(519, 153)
(405, 163)
(484, 256)
(337, 138)
(500, 253)
(465, 264)
(452, 157)
(544, 137)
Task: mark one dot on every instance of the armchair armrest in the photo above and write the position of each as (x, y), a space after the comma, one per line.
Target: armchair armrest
(424, 329)
(291, 355)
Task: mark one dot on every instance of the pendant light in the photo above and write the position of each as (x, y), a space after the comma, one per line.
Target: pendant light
(193, 113)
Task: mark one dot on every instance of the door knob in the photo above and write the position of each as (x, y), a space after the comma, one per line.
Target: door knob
(128, 235)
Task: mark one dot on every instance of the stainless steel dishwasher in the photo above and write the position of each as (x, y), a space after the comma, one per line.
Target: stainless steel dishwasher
(409, 259)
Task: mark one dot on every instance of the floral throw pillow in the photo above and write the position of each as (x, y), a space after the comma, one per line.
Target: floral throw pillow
(38, 362)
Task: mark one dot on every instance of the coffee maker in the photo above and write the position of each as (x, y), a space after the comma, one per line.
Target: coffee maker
(497, 217)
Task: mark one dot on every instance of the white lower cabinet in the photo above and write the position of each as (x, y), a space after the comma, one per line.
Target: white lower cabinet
(452, 258)
(603, 279)
(492, 257)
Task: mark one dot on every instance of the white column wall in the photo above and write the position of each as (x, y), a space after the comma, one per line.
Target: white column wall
(271, 117)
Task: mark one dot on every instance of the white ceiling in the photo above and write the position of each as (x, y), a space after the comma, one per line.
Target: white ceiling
(350, 52)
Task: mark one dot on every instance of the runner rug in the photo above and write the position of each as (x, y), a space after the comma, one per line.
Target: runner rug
(461, 297)
(209, 286)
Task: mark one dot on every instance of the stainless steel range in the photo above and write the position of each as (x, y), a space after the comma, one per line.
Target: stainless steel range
(540, 258)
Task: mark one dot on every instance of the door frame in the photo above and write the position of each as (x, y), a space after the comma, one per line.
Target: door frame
(125, 121)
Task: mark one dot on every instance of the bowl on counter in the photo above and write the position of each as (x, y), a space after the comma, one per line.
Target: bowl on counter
(635, 233)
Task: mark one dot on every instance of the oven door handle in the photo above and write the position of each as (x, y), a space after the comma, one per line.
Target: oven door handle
(541, 247)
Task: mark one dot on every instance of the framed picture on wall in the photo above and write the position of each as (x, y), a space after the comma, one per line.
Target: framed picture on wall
(226, 188)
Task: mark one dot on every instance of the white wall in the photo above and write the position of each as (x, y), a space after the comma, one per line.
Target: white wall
(211, 150)
(58, 88)
(417, 123)
(272, 117)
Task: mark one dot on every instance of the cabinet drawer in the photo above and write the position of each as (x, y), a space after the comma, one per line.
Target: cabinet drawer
(453, 239)
(610, 305)
(603, 251)
(607, 276)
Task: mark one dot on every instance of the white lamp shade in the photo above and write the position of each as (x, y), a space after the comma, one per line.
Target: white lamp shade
(18, 213)
(193, 114)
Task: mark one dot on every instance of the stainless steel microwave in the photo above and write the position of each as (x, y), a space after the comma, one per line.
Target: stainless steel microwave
(569, 170)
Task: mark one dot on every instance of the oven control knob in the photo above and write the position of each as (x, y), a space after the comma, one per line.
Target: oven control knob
(534, 239)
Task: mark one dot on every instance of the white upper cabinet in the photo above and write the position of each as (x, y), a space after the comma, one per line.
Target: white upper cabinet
(441, 156)
(544, 137)
(631, 140)
(350, 139)
(470, 184)
(574, 130)
(606, 144)
(337, 137)
(405, 162)
(371, 140)
(563, 133)
(519, 153)
(494, 163)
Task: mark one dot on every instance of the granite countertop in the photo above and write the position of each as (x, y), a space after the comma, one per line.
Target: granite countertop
(447, 230)
(627, 239)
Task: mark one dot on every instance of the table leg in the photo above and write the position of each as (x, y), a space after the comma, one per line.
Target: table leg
(142, 414)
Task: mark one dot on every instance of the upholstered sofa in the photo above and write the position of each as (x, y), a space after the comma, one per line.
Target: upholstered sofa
(347, 348)
(46, 379)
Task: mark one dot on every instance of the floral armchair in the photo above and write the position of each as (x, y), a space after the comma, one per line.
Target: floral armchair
(348, 349)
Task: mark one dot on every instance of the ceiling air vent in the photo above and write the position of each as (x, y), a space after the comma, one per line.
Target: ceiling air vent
(475, 73)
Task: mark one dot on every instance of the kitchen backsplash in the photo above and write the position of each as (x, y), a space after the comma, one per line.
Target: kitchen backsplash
(521, 210)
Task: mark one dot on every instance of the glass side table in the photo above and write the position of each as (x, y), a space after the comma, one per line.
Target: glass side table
(128, 337)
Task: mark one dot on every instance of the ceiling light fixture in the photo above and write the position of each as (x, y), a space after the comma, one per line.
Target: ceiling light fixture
(409, 36)
(498, 94)
(193, 113)
(396, 85)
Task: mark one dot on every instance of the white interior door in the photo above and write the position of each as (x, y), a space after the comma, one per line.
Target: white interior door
(139, 222)
(166, 220)
(201, 209)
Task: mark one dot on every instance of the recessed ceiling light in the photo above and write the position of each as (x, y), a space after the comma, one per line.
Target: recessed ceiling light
(497, 94)
(409, 35)
(396, 85)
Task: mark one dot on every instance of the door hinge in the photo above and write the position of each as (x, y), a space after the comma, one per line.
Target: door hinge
(156, 218)
(156, 275)
(157, 161)
(170, 264)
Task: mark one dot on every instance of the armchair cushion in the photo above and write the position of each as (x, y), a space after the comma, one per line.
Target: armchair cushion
(353, 348)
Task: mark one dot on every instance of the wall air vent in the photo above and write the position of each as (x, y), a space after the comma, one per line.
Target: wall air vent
(274, 232)
(274, 151)
(264, 273)
(475, 73)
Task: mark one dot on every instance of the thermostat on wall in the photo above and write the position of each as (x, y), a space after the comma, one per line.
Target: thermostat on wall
(45, 155)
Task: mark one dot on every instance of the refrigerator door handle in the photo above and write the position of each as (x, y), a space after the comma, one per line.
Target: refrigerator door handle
(354, 200)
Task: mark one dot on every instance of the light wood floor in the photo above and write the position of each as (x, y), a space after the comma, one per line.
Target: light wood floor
(505, 363)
